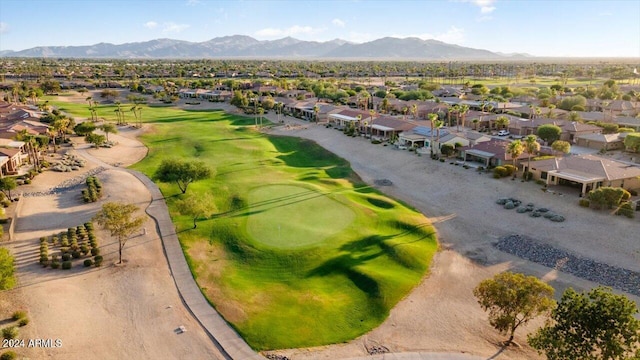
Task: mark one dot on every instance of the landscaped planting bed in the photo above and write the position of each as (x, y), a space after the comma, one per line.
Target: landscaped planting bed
(65, 249)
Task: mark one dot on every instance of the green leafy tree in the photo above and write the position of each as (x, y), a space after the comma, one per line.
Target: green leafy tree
(7, 184)
(7, 269)
(608, 197)
(84, 128)
(95, 139)
(118, 218)
(632, 142)
(598, 325)
(513, 299)
(561, 146)
(181, 172)
(549, 133)
(197, 206)
(108, 128)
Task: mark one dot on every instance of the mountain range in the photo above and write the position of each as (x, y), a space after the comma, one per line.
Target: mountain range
(241, 46)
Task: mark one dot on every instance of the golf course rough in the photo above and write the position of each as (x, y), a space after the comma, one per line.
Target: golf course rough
(299, 252)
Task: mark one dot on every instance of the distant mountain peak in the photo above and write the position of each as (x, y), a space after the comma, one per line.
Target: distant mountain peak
(243, 46)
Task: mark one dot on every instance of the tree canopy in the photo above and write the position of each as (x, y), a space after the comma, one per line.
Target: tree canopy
(7, 184)
(181, 172)
(196, 206)
(632, 142)
(513, 299)
(549, 133)
(598, 325)
(119, 219)
(561, 146)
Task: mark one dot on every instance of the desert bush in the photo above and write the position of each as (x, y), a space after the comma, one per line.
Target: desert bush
(66, 257)
(97, 260)
(584, 203)
(88, 263)
(76, 254)
(626, 209)
(8, 355)
(66, 265)
(500, 172)
(95, 251)
(23, 322)
(510, 169)
(84, 249)
(17, 315)
(55, 264)
(10, 332)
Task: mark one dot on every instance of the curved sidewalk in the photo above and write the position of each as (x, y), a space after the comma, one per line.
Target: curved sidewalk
(227, 339)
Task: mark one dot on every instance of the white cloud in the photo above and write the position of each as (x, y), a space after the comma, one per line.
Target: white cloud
(291, 31)
(171, 27)
(486, 6)
(151, 24)
(193, 2)
(454, 35)
(4, 28)
(338, 22)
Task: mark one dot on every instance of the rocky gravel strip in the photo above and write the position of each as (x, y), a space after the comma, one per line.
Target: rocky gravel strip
(69, 184)
(549, 256)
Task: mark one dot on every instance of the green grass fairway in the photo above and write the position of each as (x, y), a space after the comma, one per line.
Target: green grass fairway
(299, 252)
(289, 217)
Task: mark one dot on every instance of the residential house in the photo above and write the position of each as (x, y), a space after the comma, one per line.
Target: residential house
(11, 159)
(341, 118)
(387, 127)
(603, 142)
(628, 122)
(489, 153)
(586, 172)
(570, 129)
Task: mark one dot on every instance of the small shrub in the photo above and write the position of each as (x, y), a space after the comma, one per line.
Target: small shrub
(23, 322)
(55, 264)
(66, 257)
(95, 251)
(626, 210)
(376, 142)
(10, 332)
(76, 254)
(500, 172)
(19, 315)
(510, 169)
(66, 265)
(88, 263)
(442, 160)
(8, 355)
(97, 260)
(584, 203)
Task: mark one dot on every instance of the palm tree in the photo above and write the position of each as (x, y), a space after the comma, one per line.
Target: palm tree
(404, 113)
(464, 109)
(432, 118)
(515, 149)
(414, 111)
(531, 146)
(550, 113)
(316, 110)
(502, 122)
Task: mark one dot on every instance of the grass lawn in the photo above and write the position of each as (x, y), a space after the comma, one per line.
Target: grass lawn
(300, 252)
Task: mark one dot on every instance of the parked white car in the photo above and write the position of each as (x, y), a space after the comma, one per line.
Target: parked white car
(503, 132)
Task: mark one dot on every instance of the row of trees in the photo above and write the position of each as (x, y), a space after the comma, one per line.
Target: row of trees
(597, 325)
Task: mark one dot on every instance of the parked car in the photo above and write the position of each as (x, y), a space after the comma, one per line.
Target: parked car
(503, 132)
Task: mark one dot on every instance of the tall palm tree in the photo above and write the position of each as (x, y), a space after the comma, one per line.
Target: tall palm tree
(502, 122)
(515, 149)
(414, 111)
(316, 110)
(433, 118)
(550, 113)
(464, 109)
(531, 146)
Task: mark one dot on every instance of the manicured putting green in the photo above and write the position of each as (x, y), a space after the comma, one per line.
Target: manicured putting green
(290, 216)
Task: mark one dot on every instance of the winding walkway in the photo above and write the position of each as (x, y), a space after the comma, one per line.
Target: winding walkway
(225, 338)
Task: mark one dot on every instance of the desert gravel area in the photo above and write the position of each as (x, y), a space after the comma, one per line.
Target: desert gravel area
(112, 312)
(131, 311)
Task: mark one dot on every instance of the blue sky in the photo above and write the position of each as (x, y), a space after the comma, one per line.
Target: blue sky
(576, 28)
